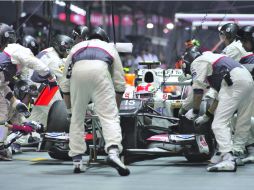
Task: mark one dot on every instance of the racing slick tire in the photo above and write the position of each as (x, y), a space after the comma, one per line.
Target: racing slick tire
(129, 131)
(197, 157)
(57, 122)
(134, 137)
(192, 153)
(57, 118)
(59, 153)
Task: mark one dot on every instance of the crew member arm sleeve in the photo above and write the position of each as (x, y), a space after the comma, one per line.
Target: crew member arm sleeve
(199, 71)
(54, 66)
(188, 102)
(5, 91)
(232, 52)
(64, 82)
(27, 59)
(118, 73)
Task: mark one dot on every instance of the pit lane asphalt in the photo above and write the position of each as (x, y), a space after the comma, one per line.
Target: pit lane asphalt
(36, 171)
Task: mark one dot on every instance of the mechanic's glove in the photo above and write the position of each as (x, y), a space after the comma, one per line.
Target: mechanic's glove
(182, 111)
(36, 126)
(69, 114)
(204, 118)
(21, 108)
(183, 78)
(191, 115)
(52, 82)
(22, 128)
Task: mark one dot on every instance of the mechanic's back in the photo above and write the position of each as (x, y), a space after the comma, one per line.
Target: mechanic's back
(88, 78)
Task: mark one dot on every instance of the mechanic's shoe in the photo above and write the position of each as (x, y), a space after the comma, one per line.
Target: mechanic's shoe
(78, 167)
(114, 161)
(202, 145)
(78, 164)
(16, 148)
(228, 164)
(5, 154)
(217, 157)
(239, 156)
(250, 157)
(239, 161)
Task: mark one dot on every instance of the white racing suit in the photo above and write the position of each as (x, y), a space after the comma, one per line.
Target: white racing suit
(237, 97)
(49, 57)
(236, 51)
(14, 58)
(248, 62)
(4, 107)
(91, 80)
(11, 115)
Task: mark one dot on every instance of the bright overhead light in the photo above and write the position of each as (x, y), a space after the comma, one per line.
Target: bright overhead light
(165, 30)
(170, 26)
(60, 3)
(193, 28)
(149, 25)
(78, 10)
(23, 14)
(73, 8)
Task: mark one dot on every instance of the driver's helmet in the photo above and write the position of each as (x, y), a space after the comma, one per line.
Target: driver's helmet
(173, 92)
(170, 89)
(130, 78)
(145, 90)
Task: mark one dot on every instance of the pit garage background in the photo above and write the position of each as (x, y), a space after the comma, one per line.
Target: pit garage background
(163, 26)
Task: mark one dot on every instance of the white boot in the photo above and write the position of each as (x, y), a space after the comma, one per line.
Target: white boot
(239, 156)
(250, 157)
(217, 157)
(78, 166)
(5, 154)
(226, 165)
(114, 161)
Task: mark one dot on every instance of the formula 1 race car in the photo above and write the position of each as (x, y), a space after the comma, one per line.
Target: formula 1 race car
(167, 92)
(149, 121)
(143, 139)
(149, 118)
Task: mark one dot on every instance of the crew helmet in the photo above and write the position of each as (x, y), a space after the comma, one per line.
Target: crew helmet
(229, 30)
(99, 33)
(31, 43)
(189, 56)
(245, 34)
(7, 35)
(62, 44)
(80, 32)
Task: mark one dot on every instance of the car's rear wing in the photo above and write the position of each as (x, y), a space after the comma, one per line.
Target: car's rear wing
(161, 72)
(123, 47)
(176, 83)
(149, 64)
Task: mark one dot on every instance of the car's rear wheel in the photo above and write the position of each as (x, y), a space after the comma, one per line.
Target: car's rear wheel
(57, 118)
